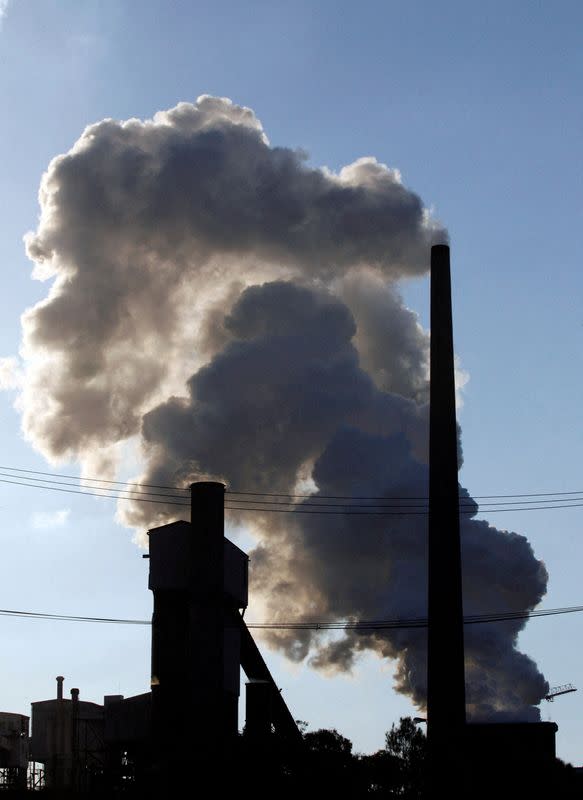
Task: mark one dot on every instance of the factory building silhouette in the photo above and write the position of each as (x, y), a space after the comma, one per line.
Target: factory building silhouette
(199, 581)
(199, 644)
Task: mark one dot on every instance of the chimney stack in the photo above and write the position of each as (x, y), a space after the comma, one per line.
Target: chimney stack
(188, 630)
(208, 613)
(75, 738)
(60, 680)
(446, 705)
(207, 517)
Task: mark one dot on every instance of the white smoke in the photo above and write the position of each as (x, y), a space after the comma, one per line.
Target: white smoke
(144, 225)
(238, 310)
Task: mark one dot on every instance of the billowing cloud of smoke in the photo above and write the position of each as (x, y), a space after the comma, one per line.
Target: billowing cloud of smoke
(302, 398)
(144, 225)
(187, 250)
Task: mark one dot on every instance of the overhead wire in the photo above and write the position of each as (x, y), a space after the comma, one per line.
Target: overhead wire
(464, 501)
(382, 624)
(6, 612)
(65, 483)
(382, 497)
(95, 480)
(266, 507)
(94, 494)
(291, 495)
(472, 511)
(418, 622)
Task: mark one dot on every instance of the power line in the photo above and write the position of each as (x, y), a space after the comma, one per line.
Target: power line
(367, 510)
(417, 622)
(382, 624)
(5, 612)
(299, 510)
(79, 482)
(94, 494)
(283, 494)
(94, 480)
(464, 501)
(380, 497)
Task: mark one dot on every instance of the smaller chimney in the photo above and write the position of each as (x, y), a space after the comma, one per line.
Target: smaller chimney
(60, 680)
(75, 695)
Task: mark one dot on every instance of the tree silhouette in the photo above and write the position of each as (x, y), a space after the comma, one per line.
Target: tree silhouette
(408, 746)
(328, 741)
(396, 771)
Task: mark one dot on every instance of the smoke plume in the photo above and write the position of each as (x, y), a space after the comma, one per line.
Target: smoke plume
(238, 310)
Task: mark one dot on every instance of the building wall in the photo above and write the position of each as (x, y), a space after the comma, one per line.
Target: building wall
(68, 742)
(13, 740)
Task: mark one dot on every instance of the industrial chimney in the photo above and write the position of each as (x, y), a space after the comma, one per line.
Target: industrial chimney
(199, 582)
(446, 706)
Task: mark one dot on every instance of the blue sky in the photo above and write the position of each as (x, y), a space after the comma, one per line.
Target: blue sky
(478, 106)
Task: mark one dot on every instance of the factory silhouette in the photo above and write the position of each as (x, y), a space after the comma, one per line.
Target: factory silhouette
(183, 734)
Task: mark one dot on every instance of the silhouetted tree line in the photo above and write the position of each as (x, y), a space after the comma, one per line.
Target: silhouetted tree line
(328, 768)
(398, 770)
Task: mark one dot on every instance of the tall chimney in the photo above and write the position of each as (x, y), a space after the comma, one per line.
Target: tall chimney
(187, 580)
(207, 614)
(207, 516)
(446, 705)
(60, 680)
(75, 738)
